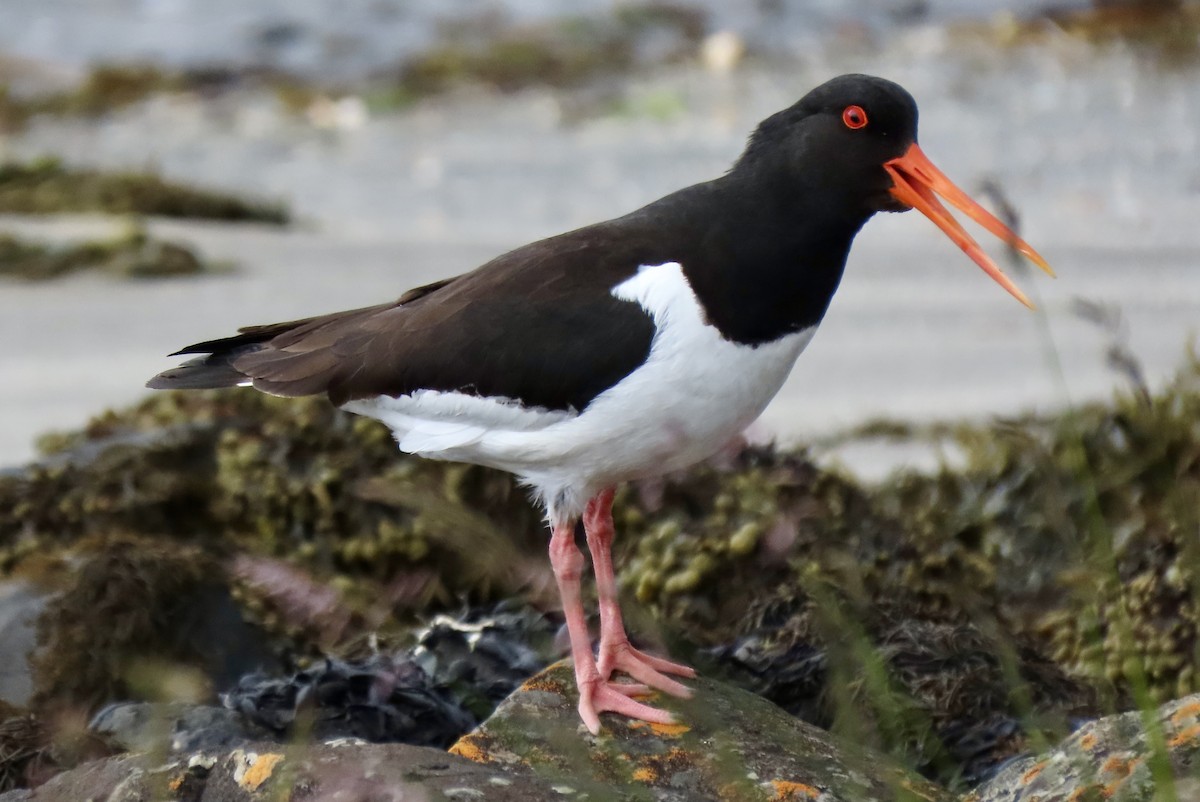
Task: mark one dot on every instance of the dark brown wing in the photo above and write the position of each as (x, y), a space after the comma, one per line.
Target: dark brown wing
(538, 325)
(215, 367)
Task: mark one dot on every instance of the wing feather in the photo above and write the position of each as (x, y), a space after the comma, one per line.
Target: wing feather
(523, 326)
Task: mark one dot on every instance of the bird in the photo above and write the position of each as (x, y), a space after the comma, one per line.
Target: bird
(622, 350)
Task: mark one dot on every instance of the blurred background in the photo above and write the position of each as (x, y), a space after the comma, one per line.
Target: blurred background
(178, 168)
(171, 170)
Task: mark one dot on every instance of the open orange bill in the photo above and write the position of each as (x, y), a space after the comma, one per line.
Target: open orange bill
(916, 179)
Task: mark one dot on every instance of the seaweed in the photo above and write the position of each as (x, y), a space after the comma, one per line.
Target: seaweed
(132, 253)
(1054, 572)
(46, 186)
(138, 619)
(1164, 30)
(1089, 519)
(106, 87)
(562, 54)
(111, 87)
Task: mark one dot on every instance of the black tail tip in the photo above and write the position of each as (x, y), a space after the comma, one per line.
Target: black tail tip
(198, 376)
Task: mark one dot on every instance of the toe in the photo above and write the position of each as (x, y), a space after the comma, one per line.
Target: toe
(607, 697)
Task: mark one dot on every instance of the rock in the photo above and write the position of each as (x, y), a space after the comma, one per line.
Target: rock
(1112, 758)
(459, 670)
(20, 605)
(174, 728)
(142, 618)
(728, 745)
(347, 770)
(154, 259)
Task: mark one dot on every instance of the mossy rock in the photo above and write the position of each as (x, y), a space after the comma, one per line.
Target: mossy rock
(46, 186)
(726, 744)
(140, 619)
(133, 253)
(1064, 537)
(564, 53)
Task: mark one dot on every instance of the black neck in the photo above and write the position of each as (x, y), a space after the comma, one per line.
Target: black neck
(771, 265)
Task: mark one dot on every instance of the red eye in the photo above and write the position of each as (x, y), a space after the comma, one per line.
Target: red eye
(854, 117)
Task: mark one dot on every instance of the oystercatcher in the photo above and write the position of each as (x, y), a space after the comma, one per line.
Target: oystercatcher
(625, 349)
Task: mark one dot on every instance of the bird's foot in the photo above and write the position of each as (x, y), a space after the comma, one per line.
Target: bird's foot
(598, 696)
(645, 668)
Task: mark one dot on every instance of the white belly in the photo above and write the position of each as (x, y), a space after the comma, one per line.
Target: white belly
(694, 393)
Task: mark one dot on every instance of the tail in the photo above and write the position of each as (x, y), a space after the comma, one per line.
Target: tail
(300, 357)
(203, 373)
(214, 367)
(287, 359)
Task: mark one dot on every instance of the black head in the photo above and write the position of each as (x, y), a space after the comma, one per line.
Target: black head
(849, 149)
(830, 148)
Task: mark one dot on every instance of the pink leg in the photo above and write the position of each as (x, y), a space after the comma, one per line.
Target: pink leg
(615, 651)
(596, 694)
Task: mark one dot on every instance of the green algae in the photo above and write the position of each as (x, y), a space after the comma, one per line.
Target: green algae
(562, 54)
(132, 253)
(1167, 32)
(294, 480)
(1089, 520)
(111, 87)
(122, 610)
(46, 186)
(106, 88)
(1058, 558)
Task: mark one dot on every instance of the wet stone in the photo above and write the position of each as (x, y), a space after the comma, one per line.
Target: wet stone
(147, 727)
(1112, 758)
(345, 770)
(727, 745)
(21, 603)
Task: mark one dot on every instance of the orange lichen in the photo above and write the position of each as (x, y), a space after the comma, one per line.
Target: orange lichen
(176, 783)
(1190, 710)
(1086, 793)
(1117, 765)
(652, 768)
(1122, 768)
(676, 755)
(1032, 774)
(467, 747)
(1185, 737)
(258, 770)
(1088, 741)
(645, 774)
(788, 791)
(541, 682)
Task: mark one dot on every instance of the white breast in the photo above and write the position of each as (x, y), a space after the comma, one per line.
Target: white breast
(694, 393)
